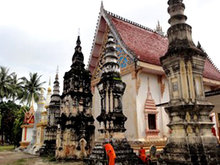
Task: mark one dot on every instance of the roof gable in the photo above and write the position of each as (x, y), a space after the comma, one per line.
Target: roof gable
(137, 41)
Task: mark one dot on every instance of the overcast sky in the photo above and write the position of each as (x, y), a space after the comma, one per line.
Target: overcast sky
(38, 35)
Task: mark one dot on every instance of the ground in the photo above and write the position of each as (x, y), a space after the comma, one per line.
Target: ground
(10, 157)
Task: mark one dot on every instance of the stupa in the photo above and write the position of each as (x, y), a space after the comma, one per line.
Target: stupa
(111, 89)
(49, 146)
(191, 141)
(75, 124)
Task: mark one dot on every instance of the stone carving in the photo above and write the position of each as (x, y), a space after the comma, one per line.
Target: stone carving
(49, 145)
(75, 122)
(191, 140)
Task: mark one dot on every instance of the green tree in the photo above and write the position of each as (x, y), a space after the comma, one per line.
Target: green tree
(5, 83)
(31, 88)
(8, 111)
(17, 130)
(16, 86)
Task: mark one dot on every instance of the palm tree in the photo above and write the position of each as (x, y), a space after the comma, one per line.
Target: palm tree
(5, 83)
(16, 86)
(31, 88)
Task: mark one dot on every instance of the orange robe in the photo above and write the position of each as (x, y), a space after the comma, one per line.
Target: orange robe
(142, 155)
(111, 153)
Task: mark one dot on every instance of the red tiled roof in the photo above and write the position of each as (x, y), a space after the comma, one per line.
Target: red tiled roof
(146, 45)
(210, 71)
(149, 46)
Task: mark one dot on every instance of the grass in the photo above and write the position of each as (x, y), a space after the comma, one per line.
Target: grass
(20, 162)
(6, 148)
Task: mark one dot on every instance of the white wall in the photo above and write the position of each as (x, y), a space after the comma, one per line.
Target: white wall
(162, 117)
(29, 134)
(129, 107)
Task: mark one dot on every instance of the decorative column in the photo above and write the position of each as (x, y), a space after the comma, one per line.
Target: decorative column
(111, 119)
(75, 130)
(191, 140)
(49, 146)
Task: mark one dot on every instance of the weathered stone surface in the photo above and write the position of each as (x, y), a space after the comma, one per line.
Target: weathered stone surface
(49, 146)
(75, 123)
(191, 141)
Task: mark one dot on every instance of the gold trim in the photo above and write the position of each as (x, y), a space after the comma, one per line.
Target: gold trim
(27, 125)
(152, 67)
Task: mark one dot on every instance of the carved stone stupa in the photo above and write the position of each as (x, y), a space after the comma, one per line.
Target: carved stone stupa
(111, 89)
(191, 140)
(75, 126)
(49, 146)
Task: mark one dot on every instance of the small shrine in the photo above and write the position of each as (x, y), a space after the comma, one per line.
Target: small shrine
(27, 127)
(75, 124)
(49, 146)
(32, 148)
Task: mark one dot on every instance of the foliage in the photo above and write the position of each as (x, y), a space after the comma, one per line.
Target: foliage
(5, 83)
(31, 88)
(8, 111)
(16, 89)
(17, 131)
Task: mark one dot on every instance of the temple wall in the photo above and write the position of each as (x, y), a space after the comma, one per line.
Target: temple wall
(162, 117)
(29, 134)
(129, 107)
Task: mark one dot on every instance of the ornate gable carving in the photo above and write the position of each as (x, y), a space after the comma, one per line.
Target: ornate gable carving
(124, 60)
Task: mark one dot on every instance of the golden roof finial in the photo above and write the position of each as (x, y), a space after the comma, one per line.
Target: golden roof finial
(49, 86)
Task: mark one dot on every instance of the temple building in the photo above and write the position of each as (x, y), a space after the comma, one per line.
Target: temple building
(75, 125)
(139, 50)
(27, 127)
(49, 146)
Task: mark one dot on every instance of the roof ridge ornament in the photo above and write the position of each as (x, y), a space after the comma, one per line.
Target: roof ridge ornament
(102, 6)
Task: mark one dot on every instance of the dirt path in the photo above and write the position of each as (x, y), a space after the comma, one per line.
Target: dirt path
(20, 158)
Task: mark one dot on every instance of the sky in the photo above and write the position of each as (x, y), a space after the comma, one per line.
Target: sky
(39, 35)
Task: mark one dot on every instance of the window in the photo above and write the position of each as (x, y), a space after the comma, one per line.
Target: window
(152, 121)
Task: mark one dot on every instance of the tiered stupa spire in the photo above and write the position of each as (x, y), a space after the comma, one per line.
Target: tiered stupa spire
(49, 145)
(191, 140)
(111, 89)
(47, 102)
(75, 126)
(78, 57)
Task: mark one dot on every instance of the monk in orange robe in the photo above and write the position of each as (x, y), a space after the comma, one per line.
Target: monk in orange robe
(142, 154)
(111, 153)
